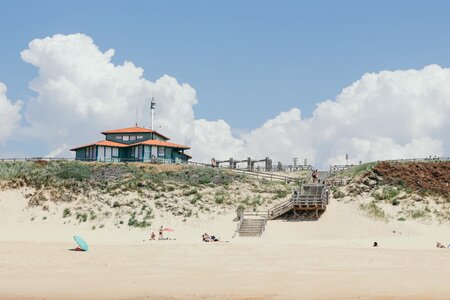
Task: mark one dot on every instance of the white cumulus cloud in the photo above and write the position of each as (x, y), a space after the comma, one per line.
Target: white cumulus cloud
(9, 114)
(80, 92)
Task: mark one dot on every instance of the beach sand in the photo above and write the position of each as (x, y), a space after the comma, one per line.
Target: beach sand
(329, 258)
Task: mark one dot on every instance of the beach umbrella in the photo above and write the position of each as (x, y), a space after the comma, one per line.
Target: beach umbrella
(82, 243)
(169, 229)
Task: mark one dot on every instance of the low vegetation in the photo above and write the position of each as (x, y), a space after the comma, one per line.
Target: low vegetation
(132, 194)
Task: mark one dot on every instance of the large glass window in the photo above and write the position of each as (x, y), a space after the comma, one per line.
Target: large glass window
(168, 152)
(140, 137)
(132, 137)
(115, 152)
(119, 137)
(126, 137)
(160, 151)
(147, 152)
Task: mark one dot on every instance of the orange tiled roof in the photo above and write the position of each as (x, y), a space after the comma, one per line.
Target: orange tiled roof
(102, 143)
(135, 129)
(162, 143)
(129, 130)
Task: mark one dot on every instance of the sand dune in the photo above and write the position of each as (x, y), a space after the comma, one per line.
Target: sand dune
(329, 258)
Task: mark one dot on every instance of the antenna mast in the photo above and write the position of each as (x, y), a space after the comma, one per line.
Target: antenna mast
(152, 110)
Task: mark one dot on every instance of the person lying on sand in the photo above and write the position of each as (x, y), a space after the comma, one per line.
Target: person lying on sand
(207, 238)
(439, 245)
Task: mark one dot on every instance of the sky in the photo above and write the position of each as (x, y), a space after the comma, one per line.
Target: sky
(307, 79)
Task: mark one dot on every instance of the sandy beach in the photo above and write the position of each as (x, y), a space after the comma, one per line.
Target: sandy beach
(329, 258)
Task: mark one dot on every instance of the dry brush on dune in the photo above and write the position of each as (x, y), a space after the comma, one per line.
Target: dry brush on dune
(132, 194)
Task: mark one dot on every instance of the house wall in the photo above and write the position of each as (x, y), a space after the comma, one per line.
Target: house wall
(156, 136)
(144, 153)
(80, 154)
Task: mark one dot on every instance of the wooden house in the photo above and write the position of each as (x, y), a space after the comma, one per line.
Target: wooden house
(133, 144)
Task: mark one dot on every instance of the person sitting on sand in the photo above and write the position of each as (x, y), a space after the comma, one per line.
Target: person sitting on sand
(153, 236)
(375, 244)
(206, 237)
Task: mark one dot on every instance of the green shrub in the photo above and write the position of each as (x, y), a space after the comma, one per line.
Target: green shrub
(133, 222)
(92, 215)
(373, 210)
(82, 217)
(196, 198)
(190, 192)
(337, 194)
(280, 194)
(240, 208)
(74, 170)
(256, 201)
(418, 214)
(204, 180)
(387, 193)
(356, 170)
(66, 212)
(219, 199)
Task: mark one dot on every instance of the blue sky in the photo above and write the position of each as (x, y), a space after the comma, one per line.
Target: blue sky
(247, 60)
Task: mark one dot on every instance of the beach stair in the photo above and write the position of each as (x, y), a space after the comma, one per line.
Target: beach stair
(252, 226)
(313, 197)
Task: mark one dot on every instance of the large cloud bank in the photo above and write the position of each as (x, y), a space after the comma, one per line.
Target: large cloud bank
(80, 92)
(9, 114)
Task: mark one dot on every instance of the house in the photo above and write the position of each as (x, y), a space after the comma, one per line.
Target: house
(133, 144)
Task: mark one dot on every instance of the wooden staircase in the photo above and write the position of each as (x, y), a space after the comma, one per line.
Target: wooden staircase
(305, 205)
(251, 226)
(312, 197)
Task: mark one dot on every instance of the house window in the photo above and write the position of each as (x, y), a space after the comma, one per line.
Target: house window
(139, 137)
(126, 137)
(115, 152)
(147, 150)
(132, 138)
(119, 137)
(136, 152)
(168, 152)
(160, 151)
